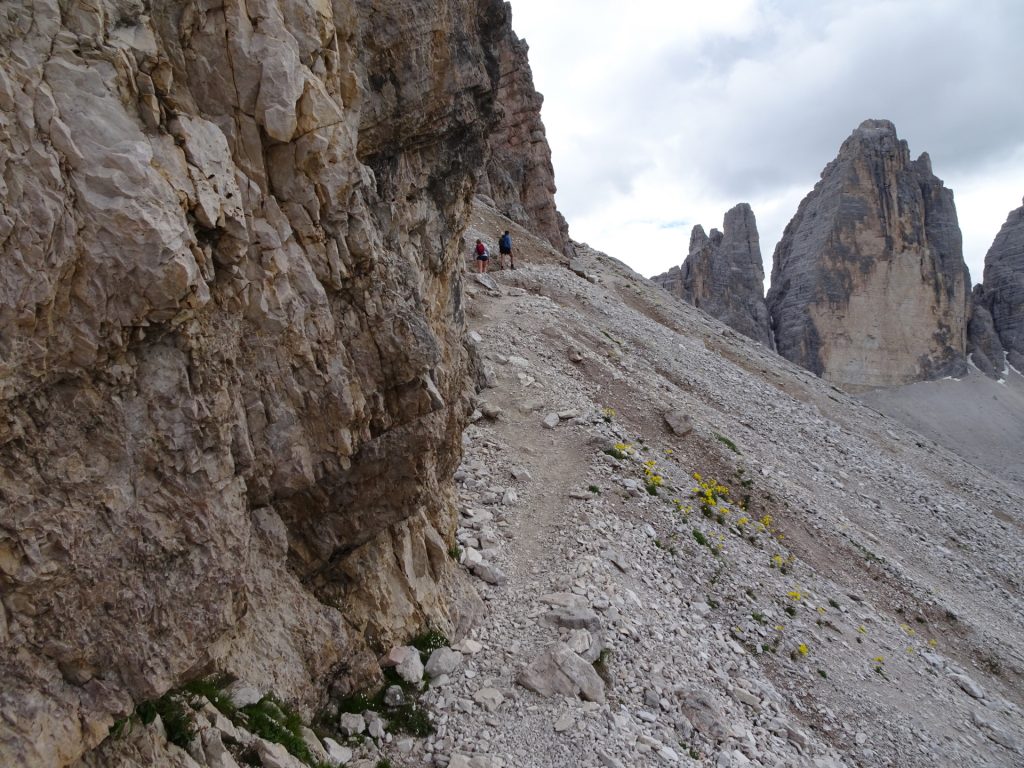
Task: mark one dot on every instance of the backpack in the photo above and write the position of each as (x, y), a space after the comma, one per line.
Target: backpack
(506, 243)
(481, 249)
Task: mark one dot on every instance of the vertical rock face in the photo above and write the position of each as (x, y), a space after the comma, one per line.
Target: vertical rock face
(519, 177)
(1004, 287)
(869, 286)
(723, 274)
(232, 370)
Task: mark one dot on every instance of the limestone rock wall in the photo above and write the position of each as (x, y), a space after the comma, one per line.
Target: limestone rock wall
(1004, 286)
(232, 369)
(519, 176)
(869, 286)
(723, 274)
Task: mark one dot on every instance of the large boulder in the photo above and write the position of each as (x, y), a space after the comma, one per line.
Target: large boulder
(869, 286)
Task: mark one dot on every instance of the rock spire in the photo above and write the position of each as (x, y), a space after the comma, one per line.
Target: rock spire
(723, 274)
(869, 286)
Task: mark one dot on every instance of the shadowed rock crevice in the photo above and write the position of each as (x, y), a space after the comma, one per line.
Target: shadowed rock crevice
(998, 320)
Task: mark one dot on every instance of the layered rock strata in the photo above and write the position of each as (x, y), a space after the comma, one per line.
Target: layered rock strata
(869, 286)
(1002, 296)
(723, 274)
(519, 177)
(232, 367)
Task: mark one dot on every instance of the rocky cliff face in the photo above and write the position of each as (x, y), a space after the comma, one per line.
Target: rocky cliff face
(1004, 287)
(869, 286)
(723, 274)
(519, 177)
(983, 343)
(232, 367)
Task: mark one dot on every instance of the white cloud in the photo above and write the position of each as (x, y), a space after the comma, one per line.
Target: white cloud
(661, 112)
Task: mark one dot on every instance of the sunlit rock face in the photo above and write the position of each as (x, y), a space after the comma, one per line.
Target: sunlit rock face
(232, 367)
(1004, 287)
(869, 286)
(723, 274)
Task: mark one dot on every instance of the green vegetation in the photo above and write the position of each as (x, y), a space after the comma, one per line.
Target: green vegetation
(212, 689)
(176, 715)
(274, 721)
(727, 443)
(428, 642)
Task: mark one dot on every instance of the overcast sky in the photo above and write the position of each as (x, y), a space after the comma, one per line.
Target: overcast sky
(662, 114)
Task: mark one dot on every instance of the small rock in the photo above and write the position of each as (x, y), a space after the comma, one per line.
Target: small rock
(608, 761)
(668, 754)
(406, 660)
(969, 686)
(679, 423)
(564, 723)
(704, 713)
(394, 696)
(746, 697)
(470, 557)
(558, 671)
(490, 411)
(469, 646)
(316, 749)
(551, 421)
(242, 694)
(351, 724)
(616, 558)
(275, 755)
(490, 573)
(487, 282)
(443, 661)
(489, 698)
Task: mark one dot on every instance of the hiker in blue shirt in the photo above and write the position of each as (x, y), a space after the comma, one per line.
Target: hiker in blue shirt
(505, 247)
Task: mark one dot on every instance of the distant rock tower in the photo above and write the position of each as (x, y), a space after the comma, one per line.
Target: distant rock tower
(723, 274)
(869, 286)
(997, 320)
